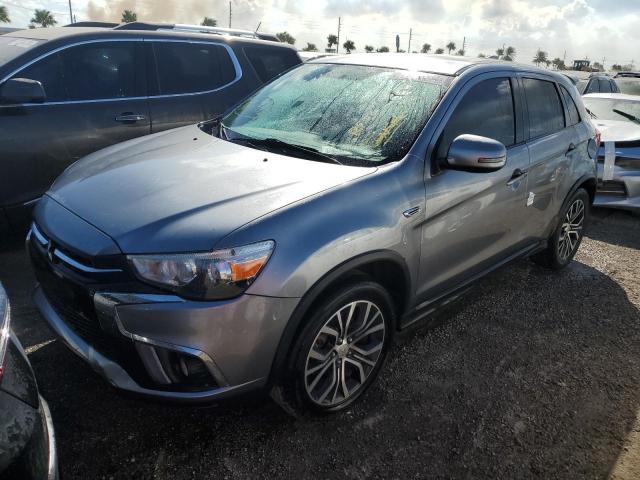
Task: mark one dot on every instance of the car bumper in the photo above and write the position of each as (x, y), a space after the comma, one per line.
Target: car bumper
(622, 191)
(236, 340)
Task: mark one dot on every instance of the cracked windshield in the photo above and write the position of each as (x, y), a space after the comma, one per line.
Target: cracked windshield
(353, 115)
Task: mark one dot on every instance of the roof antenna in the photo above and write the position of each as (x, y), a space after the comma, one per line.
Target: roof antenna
(258, 27)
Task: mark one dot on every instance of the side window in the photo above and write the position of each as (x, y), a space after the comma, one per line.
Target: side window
(574, 116)
(592, 87)
(183, 67)
(486, 110)
(614, 86)
(546, 114)
(49, 72)
(605, 85)
(270, 62)
(101, 70)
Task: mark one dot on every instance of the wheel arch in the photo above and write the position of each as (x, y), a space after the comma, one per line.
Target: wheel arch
(385, 267)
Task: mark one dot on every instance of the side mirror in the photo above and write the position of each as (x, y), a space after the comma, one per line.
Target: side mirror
(476, 154)
(22, 90)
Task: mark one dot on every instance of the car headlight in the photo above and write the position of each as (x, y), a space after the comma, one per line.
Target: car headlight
(205, 276)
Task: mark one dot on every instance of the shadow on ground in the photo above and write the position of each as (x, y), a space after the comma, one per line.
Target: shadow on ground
(535, 374)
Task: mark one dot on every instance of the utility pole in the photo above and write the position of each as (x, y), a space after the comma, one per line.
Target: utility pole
(229, 14)
(70, 12)
(338, 44)
(464, 43)
(409, 48)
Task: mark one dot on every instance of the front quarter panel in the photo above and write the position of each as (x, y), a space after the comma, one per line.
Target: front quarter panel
(316, 235)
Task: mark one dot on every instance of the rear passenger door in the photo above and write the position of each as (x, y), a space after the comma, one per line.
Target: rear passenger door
(95, 97)
(191, 81)
(553, 142)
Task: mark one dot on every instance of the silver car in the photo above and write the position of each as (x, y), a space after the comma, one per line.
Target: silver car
(617, 117)
(285, 244)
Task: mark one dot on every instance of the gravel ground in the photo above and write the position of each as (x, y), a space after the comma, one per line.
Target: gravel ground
(534, 374)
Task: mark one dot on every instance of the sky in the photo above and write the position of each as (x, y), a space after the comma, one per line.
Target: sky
(576, 29)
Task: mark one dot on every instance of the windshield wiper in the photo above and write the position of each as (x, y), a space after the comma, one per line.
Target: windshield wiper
(284, 146)
(593, 115)
(633, 118)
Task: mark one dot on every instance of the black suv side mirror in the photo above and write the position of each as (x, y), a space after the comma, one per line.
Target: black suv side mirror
(476, 154)
(22, 90)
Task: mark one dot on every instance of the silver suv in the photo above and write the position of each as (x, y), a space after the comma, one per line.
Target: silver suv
(284, 244)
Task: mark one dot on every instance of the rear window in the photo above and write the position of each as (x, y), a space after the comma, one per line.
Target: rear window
(270, 62)
(546, 115)
(605, 86)
(183, 67)
(13, 47)
(630, 86)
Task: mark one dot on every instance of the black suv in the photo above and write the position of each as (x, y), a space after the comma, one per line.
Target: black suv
(66, 92)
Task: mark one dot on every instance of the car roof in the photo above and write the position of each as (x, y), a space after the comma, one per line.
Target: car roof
(614, 96)
(452, 65)
(60, 33)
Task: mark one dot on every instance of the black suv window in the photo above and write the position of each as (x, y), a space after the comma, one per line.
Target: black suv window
(574, 116)
(592, 87)
(486, 110)
(94, 71)
(184, 67)
(546, 114)
(270, 62)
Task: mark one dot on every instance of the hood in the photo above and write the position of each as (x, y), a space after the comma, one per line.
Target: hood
(618, 130)
(184, 190)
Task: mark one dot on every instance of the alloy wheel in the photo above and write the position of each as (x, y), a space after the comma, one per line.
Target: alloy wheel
(345, 352)
(571, 230)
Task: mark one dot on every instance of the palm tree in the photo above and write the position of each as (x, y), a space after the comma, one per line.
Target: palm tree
(285, 37)
(4, 14)
(311, 47)
(509, 54)
(500, 52)
(541, 57)
(482, 55)
(368, 48)
(461, 53)
(451, 46)
(129, 16)
(439, 51)
(558, 63)
(383, 50)
(209, 22)
(332, 40)
(426, 48)
(349, 45)
(44, 18)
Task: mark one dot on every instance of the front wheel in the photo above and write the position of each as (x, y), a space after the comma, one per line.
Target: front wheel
(340, 351)
(566, 238)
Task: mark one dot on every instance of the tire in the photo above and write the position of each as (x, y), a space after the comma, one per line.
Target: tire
(313, 380)
(567, 236)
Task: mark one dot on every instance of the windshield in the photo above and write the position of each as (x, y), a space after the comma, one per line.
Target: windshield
(356, 115)
(613, 109)
(12, 47)
(630, 86)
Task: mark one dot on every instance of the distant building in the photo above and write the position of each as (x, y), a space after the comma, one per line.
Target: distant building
(582, 65)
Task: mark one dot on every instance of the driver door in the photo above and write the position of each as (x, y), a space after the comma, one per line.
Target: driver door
(474, 220)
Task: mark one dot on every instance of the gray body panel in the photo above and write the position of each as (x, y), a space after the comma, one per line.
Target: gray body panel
(184, 191)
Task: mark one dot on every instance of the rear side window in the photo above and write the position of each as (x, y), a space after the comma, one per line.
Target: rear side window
(546, 115)
(605, 85)
(592, 87)
(183, 67)
(574, 116)
(486, 110)
(94, 71)
(270, 62)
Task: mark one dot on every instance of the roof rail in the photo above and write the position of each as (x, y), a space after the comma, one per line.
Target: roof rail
(93, 24)
(180, 27)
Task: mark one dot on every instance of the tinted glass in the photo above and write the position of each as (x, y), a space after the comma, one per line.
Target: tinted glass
(486, 110)
(546, 114)
(191, 67)
(100, 71)
(574, 116)
(359, 115)
(592, 87)
(605, 86)
(271, 62)
(49, 72)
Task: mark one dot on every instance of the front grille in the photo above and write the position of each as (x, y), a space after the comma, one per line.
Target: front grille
(612, 188)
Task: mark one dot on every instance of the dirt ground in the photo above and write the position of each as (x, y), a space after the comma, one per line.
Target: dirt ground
(535, 374)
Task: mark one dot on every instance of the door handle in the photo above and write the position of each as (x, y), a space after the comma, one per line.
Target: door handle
(128, 117)
(572, 147)
(518, 174)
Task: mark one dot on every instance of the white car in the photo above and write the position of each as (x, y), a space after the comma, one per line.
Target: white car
(617, 117)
